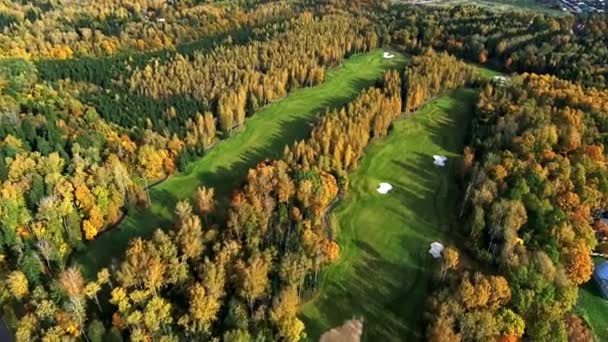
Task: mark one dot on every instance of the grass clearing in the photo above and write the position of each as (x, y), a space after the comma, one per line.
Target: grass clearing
(496, 5)
(593, 307)
(515, 5)
(224, 167)
(384, 268)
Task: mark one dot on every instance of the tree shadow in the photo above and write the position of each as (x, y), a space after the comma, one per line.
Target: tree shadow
(109, 246)
(227, 179)
(224, 179)
(391, 295)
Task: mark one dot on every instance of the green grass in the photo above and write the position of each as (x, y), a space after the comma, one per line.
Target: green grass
(487, 72)
(594, 308)
(506, 5)
(515, 5)
(225, 166)
(384, 268)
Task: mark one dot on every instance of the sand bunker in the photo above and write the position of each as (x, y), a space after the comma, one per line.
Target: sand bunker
(388, 55)
(350, 331)
(439, 160)
(384, 188)
(436, 249)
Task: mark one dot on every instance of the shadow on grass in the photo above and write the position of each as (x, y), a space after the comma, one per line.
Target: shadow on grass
(380, 323)
(390, 293)
(593, 289)
(225, 178)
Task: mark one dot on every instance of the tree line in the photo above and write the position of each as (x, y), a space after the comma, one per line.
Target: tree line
(432, 73)
(192, 96)
(233, 82)
(570, 47)
(63, 30)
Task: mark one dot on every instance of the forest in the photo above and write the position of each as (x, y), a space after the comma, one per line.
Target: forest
(102, 100)
(572, 48)
(535, 170)
(55, 30)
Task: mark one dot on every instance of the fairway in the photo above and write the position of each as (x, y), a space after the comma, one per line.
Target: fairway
(383, 271)
(496, 5)
(225, 166)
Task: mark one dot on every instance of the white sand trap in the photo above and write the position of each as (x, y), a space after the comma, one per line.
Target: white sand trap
(350, 331)
(388, 55)
(384, 188)
(436, 249)
(439, 160)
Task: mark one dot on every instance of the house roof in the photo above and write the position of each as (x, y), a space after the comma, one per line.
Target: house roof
(601, 277)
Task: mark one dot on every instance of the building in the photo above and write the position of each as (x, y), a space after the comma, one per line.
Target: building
(601, 277)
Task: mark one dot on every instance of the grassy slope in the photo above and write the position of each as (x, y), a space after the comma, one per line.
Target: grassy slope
(383, 271)
(514, 5)
(506, 5)
(225, 166)
(594, 308)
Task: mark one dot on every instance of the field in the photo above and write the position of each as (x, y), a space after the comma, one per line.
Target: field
(384, 269)
(594, 308)
(225, 166)
(500, 5)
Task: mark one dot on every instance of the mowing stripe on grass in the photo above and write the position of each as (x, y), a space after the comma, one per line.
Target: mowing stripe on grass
(384, 268)
(225, 166)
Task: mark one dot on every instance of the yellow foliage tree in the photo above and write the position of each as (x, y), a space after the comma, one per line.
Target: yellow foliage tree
(18, 284)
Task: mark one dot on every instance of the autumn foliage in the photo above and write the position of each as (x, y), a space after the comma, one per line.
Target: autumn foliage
(538, 174)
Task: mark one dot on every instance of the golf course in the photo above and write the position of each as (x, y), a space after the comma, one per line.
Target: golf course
(225, 166)
(384, 268)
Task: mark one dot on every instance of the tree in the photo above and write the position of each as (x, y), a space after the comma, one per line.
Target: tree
(154, 275)
(190, 237)
(36, 192)
(119, 298)
(204, 307)
(91, 290)
(151, 161)
(18, 284)
(103, 277)
(449, 260)
(96, 331)
(26, 326)
(479, 326)
(183, 209)
(443, 330)
(253, 277)
(283, 314)
(237, 335)
(580, 264)
(72, 282)
(46, 250)
(511, 324)
(157, 314)
(205, 200)
(93, 224)
(578, 331)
